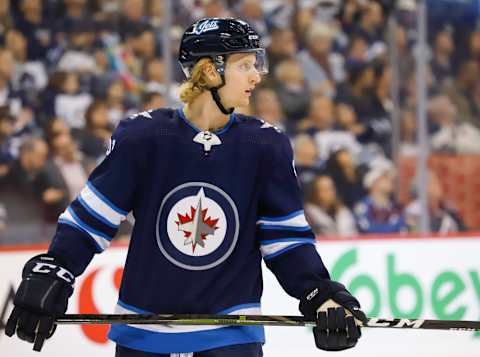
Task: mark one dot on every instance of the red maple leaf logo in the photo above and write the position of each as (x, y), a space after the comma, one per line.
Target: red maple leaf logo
(205, 226)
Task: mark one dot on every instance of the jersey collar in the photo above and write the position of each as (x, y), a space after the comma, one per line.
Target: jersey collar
(182, 116)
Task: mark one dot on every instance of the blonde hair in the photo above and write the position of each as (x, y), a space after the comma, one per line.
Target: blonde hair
(197, 84)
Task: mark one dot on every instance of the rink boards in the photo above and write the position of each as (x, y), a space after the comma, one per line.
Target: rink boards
(424, 277)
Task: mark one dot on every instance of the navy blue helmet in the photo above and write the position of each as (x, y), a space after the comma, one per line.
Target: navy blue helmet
(216, 38)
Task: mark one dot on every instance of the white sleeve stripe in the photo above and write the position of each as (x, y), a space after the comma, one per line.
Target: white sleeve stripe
(273, 248)
(97, 205)
(102, 242)
(297, 221)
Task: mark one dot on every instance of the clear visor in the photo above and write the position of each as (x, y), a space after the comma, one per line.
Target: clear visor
(261, 62)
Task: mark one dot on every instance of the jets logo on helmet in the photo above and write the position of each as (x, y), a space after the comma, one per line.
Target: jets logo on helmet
(205, 26)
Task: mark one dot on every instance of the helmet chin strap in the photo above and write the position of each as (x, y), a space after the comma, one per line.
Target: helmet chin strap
(216, 98)
(219, 63)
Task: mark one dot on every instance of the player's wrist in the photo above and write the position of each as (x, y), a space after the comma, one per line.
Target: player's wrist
(314, 298)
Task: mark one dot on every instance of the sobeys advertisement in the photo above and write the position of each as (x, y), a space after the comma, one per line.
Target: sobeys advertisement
(404, 278)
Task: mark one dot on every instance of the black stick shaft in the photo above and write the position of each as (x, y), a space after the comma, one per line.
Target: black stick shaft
(266, 320)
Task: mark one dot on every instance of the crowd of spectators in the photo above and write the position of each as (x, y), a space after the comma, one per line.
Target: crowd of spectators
(70, 70)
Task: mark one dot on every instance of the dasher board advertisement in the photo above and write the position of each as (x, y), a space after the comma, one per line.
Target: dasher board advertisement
(434, 278)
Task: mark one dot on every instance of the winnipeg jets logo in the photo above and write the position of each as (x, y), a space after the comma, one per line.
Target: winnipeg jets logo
(196, 226)
(205, 26)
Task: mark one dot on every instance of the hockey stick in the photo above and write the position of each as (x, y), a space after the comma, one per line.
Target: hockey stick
(267, 320)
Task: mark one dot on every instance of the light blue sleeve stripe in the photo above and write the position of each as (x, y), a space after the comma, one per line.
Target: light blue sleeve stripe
(282, 218)
(286, 228)
(86, 227)
(73, 225)
(284, 250)
(290, 239)
(95, 214)
(238, 307)
(106, 200)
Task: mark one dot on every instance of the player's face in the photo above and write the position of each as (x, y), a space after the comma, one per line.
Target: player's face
(241, 77)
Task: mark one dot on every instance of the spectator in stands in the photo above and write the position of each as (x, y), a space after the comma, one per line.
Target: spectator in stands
(359, 89)
(461, 89)
(55, 126)
(154, 76)
(28, 77)
(406, 61)
(322, 66)
(143, 45)
(79, 56)
(349, 15)
(346, 119)
(155, 13)
(283, 45)
(251, 11)
(371, 22)
(357, 51)
(267, 107)
(347, 175)
(105, 72)
(408, 133)
(70, 104)
(307, 163)
(409, 91)
(454, 136)
(7, 128)
(133, 16)
(75, 10)
(8, 95)
(292, 89)
(378, 212)
(444, 218)
(443, 50)
(473, 49)
(215, 8)
(35, 28)
(378, 121)
(24, 171)
(70, 163)
(320, 123)
(98, 129)
(325, 212)
(117, 102)
(6, 18)
(153, 100)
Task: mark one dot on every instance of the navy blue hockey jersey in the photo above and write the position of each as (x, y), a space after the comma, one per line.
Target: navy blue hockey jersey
(207, 208)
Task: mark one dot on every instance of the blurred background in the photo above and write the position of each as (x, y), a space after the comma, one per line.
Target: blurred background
(381, 100)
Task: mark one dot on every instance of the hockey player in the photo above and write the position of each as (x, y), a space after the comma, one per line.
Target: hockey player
(212, 192)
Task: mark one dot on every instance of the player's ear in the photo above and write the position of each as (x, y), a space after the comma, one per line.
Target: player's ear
(212, 77)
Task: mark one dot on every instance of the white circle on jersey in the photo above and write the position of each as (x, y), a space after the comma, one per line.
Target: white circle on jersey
(196, 225)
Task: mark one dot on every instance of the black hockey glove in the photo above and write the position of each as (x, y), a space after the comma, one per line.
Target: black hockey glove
(337, 313)
(42, 295)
